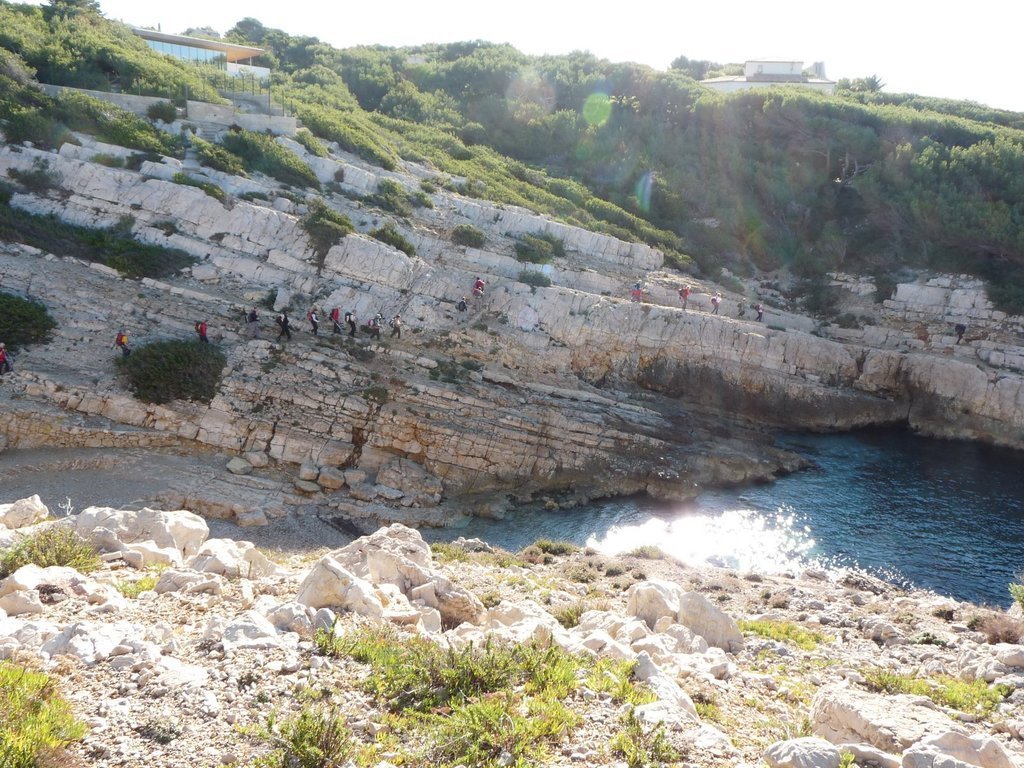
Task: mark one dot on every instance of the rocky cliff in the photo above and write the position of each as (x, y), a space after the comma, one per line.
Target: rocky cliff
(570, 389)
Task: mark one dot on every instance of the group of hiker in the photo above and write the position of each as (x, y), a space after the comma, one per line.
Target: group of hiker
(637, 294)
(373, 326)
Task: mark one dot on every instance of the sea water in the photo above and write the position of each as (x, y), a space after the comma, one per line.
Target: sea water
(940, 515)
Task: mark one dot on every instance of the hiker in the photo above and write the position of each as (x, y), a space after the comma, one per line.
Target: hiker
(716, 301)
(960, 329)
(396, 326)
(759, 308)
(5, 360)
(374, 324)
(252, 324)
(741, 309)
(336, 319)
(478, 287)
(285, 325)
(636, 293)
(121, 342)
(314, 321)
(201, 329)
(462, 306)
(684, 295)
(350, 318)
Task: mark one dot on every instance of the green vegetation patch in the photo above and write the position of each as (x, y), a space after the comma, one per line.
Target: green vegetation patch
(315, 737)
(539, 249)
(468, 235)
(56, 545)
(534, 278)
(468, 706)
(325, 228)
(24, 321)
(784, 631)
(113, 247)
(312, 144)
(262, 154)
(390, 235)
(970, 696)
(208, 187)
(217, 157)
(35, 722)
(174, 370)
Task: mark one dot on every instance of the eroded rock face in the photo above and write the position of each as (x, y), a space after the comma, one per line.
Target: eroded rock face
(545, 402)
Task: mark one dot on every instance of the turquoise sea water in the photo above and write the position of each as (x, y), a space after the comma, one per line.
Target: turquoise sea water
(939, 515)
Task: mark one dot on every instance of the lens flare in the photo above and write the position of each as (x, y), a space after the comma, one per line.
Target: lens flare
(597, 108)
(643, 191)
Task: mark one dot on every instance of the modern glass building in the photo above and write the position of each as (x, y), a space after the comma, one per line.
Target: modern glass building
(233, 59)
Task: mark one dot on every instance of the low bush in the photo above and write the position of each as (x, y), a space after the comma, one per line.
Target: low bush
(262, 154)
(325, 228)
(468, 235)
(216, 157)
(551, 547)
(641, 746)
(388, 234)
(113, 246)
(392, 197)
(36, 724)
(312, 144)
(208, 187)
(24, 321)
(970, 696)
(39, 179)
(539, 249)
(784, 631)
(56, 545)
(111, 161)
(647, 552)
(162, 110)
(1000, 628)
(534, 278)
(174, 370)
(1017, 591)
(315, 737)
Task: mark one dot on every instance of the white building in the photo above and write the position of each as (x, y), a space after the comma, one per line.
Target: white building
(761, 73)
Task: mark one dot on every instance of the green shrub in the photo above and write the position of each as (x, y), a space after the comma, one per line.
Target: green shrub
(391, 196)
(312, 144)
(316, 737)
(24, 321)
(534, 278)
(1017, 591)
(647, 552)
(539, 249)
(555, 547)
(388, 234)
(111, 161)
(113, 246)
(468, 235)
(252, 195)
(325, 228)
(39, 179)
(174, 370)
(56, 545)
(35, 722)
(208, 187)
(133, 589)
(641, 746)
(162, 110)
(262, 154)
(112, 124)
(216, 157)
(135, 160)
(970, 696)
(784, 631)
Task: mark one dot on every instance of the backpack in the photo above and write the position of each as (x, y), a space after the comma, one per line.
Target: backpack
(309, 316)
(392, 323)
(348, 317)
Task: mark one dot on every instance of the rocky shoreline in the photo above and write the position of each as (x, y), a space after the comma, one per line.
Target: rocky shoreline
(801, 669)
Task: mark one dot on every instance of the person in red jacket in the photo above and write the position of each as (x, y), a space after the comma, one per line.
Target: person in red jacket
(121, 342)
(5, 360)
(201, 329)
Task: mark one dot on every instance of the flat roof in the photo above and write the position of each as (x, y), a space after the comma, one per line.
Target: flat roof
(232, 51)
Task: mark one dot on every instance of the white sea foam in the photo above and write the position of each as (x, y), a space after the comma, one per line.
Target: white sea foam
(743, 539)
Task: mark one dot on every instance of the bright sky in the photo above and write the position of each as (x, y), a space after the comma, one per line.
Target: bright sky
(912, 46)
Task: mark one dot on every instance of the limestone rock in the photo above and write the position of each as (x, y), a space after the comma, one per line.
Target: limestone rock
(239, 466)
(802, 753)
(23, 512)
(181, 529)
(653, 600)
(710, 622)
(329, 584)
(330, 478)
(954, 749)
(891, 723)
(234, 559)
